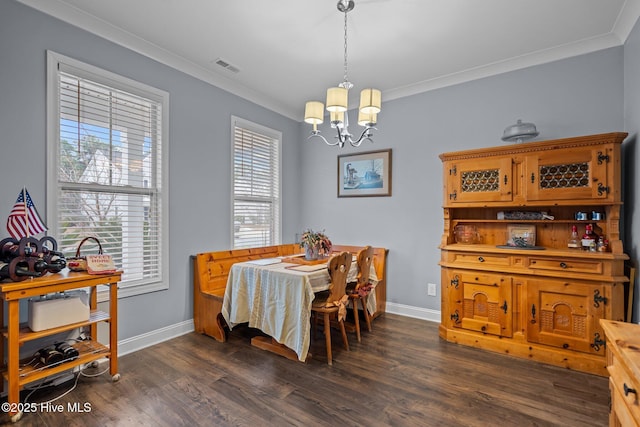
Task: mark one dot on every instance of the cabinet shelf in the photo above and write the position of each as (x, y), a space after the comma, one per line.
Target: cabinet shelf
(565, 253)
(89, 351)
(528, 221)
(26, 334)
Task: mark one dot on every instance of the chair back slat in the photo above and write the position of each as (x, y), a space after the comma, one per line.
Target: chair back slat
(338, 270)
(365, 258)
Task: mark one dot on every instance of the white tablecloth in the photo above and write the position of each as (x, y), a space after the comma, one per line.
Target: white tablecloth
(277, 300)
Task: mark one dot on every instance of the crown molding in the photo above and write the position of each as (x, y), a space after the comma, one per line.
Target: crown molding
(622, 28)
(626, 19)
(511, 64)
(90, 23)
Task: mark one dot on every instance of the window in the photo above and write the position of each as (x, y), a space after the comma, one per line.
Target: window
(256, 184)
(106, 143)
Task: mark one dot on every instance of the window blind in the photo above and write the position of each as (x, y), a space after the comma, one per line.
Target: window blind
(109, 173)
(256, 185)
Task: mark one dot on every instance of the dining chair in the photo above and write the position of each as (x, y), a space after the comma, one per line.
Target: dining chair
(361, 288)
(334, 302)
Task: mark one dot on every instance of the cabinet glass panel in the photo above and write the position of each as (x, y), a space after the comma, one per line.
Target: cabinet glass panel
(478, 180)
(567, 174)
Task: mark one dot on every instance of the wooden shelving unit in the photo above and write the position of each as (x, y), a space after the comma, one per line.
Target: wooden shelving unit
(543, 302)
(16, 334)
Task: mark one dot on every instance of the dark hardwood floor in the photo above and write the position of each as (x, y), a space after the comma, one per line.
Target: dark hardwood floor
(401, 374)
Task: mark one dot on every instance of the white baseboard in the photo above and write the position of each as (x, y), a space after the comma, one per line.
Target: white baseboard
(129, 345)
(416, 312)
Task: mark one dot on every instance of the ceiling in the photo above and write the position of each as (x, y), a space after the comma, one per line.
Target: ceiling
(290, 51)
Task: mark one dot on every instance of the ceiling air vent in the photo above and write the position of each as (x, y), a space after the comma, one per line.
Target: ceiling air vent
(224, 64)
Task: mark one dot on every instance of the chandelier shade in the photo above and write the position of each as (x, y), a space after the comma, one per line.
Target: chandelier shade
(337, 116)
(370, 101)
(337, 103)
(367, 119)
(314, 113)
(337, 99)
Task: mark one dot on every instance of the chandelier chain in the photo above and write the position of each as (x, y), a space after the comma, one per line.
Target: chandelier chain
(313, 109)
(346, 79)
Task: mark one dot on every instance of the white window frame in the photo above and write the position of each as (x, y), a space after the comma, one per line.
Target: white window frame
(81, 69)
(277, 136)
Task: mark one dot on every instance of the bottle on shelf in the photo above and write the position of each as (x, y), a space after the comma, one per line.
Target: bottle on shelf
(574, 240)
(603, 244)
(589, 239)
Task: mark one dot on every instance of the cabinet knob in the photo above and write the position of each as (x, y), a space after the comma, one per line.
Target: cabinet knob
(628, 390)
(480, 259)
(563, 265)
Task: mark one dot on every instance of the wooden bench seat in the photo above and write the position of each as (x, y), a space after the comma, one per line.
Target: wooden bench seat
(211, 271)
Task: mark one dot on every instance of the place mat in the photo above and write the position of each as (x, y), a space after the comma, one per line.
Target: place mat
(265, 261)
(307, 268)
(301, 260)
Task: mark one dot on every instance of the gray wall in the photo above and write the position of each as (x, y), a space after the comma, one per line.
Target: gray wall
(631, 155)
(199, 149)
(576, 96)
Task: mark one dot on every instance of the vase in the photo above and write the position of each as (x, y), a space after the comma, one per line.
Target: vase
(311, 253)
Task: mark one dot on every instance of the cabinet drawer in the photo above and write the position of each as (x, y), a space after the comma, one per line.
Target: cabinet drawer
(481, 259)
(626, 405)
(572, 265)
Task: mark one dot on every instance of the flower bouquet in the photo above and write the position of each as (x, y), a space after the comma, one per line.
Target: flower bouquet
(315, 244)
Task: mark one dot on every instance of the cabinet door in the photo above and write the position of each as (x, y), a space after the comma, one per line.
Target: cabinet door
(478, 180)
(482, 302)
(566, 315)
(566, 175)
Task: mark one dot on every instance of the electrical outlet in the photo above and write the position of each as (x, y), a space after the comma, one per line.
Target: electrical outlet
(431, 289)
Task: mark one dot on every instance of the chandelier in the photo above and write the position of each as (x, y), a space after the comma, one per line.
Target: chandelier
(337, 103)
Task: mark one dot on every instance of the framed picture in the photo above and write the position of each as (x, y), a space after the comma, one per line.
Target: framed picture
(364, 174)
(521, 235)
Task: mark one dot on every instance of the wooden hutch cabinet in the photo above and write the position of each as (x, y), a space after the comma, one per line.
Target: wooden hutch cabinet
(542, 300)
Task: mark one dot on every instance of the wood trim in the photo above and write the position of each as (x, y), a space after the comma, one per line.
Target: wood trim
(574, 142)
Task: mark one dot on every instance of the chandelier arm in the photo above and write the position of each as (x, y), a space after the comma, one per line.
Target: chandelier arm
(323, 138)
(365, 135)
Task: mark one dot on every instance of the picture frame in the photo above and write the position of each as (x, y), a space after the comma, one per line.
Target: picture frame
(365, 174)
(521, 235)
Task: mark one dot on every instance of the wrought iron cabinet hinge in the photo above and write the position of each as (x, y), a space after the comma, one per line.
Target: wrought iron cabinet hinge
(597, 298)
(455, 317)
(597, 342)
(602, 158)
(454, 195)
(602, 189)
(453, 170)
(455, 282)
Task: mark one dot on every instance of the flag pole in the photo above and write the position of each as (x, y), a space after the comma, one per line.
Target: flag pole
(26, 211)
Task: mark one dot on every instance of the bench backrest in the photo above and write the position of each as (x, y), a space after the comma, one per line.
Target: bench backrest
(211, 269)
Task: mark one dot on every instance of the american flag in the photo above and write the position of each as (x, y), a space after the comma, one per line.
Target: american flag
(17, 222)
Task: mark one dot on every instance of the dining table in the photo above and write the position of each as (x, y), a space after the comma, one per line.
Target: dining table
(275, 296)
